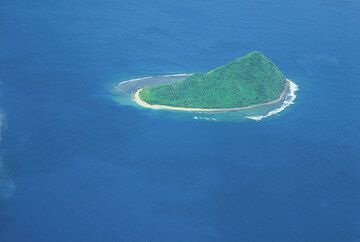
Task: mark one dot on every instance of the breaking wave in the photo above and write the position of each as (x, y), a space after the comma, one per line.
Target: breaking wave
(203, 118)
(151, 77)
(289, 100)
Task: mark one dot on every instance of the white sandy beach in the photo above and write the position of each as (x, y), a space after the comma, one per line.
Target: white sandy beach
(144, 104)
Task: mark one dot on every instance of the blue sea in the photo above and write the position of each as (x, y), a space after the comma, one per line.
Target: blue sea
(77, 165)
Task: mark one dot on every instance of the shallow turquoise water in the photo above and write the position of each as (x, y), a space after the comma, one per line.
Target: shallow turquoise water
(78, 166)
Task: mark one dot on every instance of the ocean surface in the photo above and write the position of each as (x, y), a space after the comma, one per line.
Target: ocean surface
(77, 165)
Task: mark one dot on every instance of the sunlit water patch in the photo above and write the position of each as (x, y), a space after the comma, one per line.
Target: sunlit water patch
(125, 92)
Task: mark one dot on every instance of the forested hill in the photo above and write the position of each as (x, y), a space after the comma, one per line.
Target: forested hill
(252, 79)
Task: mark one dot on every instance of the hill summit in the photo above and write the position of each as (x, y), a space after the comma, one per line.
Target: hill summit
(249, 80)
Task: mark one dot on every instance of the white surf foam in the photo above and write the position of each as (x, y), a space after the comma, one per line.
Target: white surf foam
(149, 77)
(181, 74)
(134, 80)
(289, 100)
(204, 118)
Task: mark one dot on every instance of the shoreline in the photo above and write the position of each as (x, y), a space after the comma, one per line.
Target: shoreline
(144, 104)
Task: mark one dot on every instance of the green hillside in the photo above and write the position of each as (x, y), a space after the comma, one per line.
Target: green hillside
(252, 79)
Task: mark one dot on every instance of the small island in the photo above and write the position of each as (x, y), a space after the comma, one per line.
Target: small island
(246, 82)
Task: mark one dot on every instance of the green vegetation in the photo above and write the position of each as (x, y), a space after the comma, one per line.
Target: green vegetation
(252, 79)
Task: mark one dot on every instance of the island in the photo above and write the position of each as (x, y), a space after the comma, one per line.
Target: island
(246, 82)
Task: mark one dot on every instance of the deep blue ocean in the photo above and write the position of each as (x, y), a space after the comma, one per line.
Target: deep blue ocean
(76, 165)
